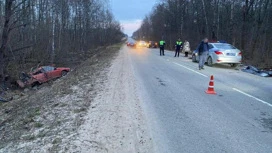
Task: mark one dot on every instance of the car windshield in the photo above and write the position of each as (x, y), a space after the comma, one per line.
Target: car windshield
(48, 68)
(224, 46)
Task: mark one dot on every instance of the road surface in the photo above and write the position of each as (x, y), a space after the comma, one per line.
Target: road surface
(183, 118)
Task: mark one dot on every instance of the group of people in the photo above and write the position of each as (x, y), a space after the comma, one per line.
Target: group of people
(179, 46)
(203, 49)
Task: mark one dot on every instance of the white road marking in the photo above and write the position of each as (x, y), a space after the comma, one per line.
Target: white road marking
(264, 102)
(191, 69)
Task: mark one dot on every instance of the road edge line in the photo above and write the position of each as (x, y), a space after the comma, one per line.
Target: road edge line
(191, 69)
(246, 94)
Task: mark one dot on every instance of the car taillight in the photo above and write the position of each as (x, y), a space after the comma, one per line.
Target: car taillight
(218, 53)
(240, 54)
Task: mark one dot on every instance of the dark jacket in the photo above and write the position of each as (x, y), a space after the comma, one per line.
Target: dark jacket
(201, 47)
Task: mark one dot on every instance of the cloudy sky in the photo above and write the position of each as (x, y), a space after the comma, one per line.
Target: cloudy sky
(131, 12)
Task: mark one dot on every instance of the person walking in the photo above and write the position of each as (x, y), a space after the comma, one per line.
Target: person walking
(203, 50)
(178, 47)
(162, 44)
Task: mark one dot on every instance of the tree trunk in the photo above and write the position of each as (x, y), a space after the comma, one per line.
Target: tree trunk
(5, 36)
(232, 24)
(206, 19)
(53, 52)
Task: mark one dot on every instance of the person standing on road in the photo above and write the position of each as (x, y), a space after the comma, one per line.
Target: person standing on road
(203, 50)
(162, 44)
(178, 47)
(186, 48)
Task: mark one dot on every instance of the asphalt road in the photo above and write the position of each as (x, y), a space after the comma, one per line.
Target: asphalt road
(183, 118)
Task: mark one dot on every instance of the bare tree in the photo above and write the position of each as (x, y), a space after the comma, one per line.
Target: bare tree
(49, 30)
(246, 24)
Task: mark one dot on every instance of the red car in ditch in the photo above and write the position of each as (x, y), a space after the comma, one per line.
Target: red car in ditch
(41, 75)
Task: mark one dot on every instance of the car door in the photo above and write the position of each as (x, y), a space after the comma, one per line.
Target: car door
(48, 72)
(210, 54)
(40, 76)
(56, 73)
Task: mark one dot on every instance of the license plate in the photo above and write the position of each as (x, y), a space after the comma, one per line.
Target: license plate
(231, 54)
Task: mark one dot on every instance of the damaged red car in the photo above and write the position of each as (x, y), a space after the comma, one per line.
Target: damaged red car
(41, 75)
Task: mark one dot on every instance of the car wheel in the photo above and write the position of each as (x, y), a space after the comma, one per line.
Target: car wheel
(209, 61)
(233, 64)
(193, 58)
(63, 73)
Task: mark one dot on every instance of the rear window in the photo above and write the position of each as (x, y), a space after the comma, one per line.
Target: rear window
(224, 46)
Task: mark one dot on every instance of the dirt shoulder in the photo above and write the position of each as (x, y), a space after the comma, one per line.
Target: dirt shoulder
(93, 109)
(115, 123)
(42, 118)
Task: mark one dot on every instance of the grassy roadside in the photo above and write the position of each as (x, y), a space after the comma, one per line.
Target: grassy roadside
(46, 116)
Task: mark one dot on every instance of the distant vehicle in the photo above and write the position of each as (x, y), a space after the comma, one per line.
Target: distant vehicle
(41, 75)
(141, 44)
(221, 53)
(131, 44)
(152, 44)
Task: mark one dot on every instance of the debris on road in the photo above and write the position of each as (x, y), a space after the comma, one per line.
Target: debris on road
(41, 75)
(256, 71)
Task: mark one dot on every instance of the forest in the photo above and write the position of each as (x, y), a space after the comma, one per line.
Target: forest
(47, 31)
(245, 24)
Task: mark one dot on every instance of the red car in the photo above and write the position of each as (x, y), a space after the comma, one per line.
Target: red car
(41, 75)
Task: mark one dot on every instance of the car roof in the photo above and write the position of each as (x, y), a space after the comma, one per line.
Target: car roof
(219, 43)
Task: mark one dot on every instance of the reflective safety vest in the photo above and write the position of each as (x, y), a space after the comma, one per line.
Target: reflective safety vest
(179, 43)
(162, 43)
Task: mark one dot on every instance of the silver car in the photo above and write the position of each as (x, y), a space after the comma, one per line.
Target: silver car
(221, 53)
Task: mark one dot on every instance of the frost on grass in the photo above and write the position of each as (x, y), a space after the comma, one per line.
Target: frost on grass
(44, 119)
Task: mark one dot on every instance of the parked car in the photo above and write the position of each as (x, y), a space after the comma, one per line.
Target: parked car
(141, 44)
(152, 44)
(131, 44)
(41, 75)
(221, 53)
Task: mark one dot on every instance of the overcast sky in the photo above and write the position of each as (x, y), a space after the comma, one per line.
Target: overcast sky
(130, 13)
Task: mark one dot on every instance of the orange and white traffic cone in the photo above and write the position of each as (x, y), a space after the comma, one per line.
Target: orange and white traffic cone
(211, 87)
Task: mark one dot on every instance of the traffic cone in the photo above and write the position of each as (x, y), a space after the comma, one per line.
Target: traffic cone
(211, 87)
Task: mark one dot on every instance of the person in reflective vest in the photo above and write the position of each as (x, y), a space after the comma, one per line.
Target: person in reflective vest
(178, 47)
(162, 44)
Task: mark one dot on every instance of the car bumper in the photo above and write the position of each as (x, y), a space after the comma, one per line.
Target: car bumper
(229, 60)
